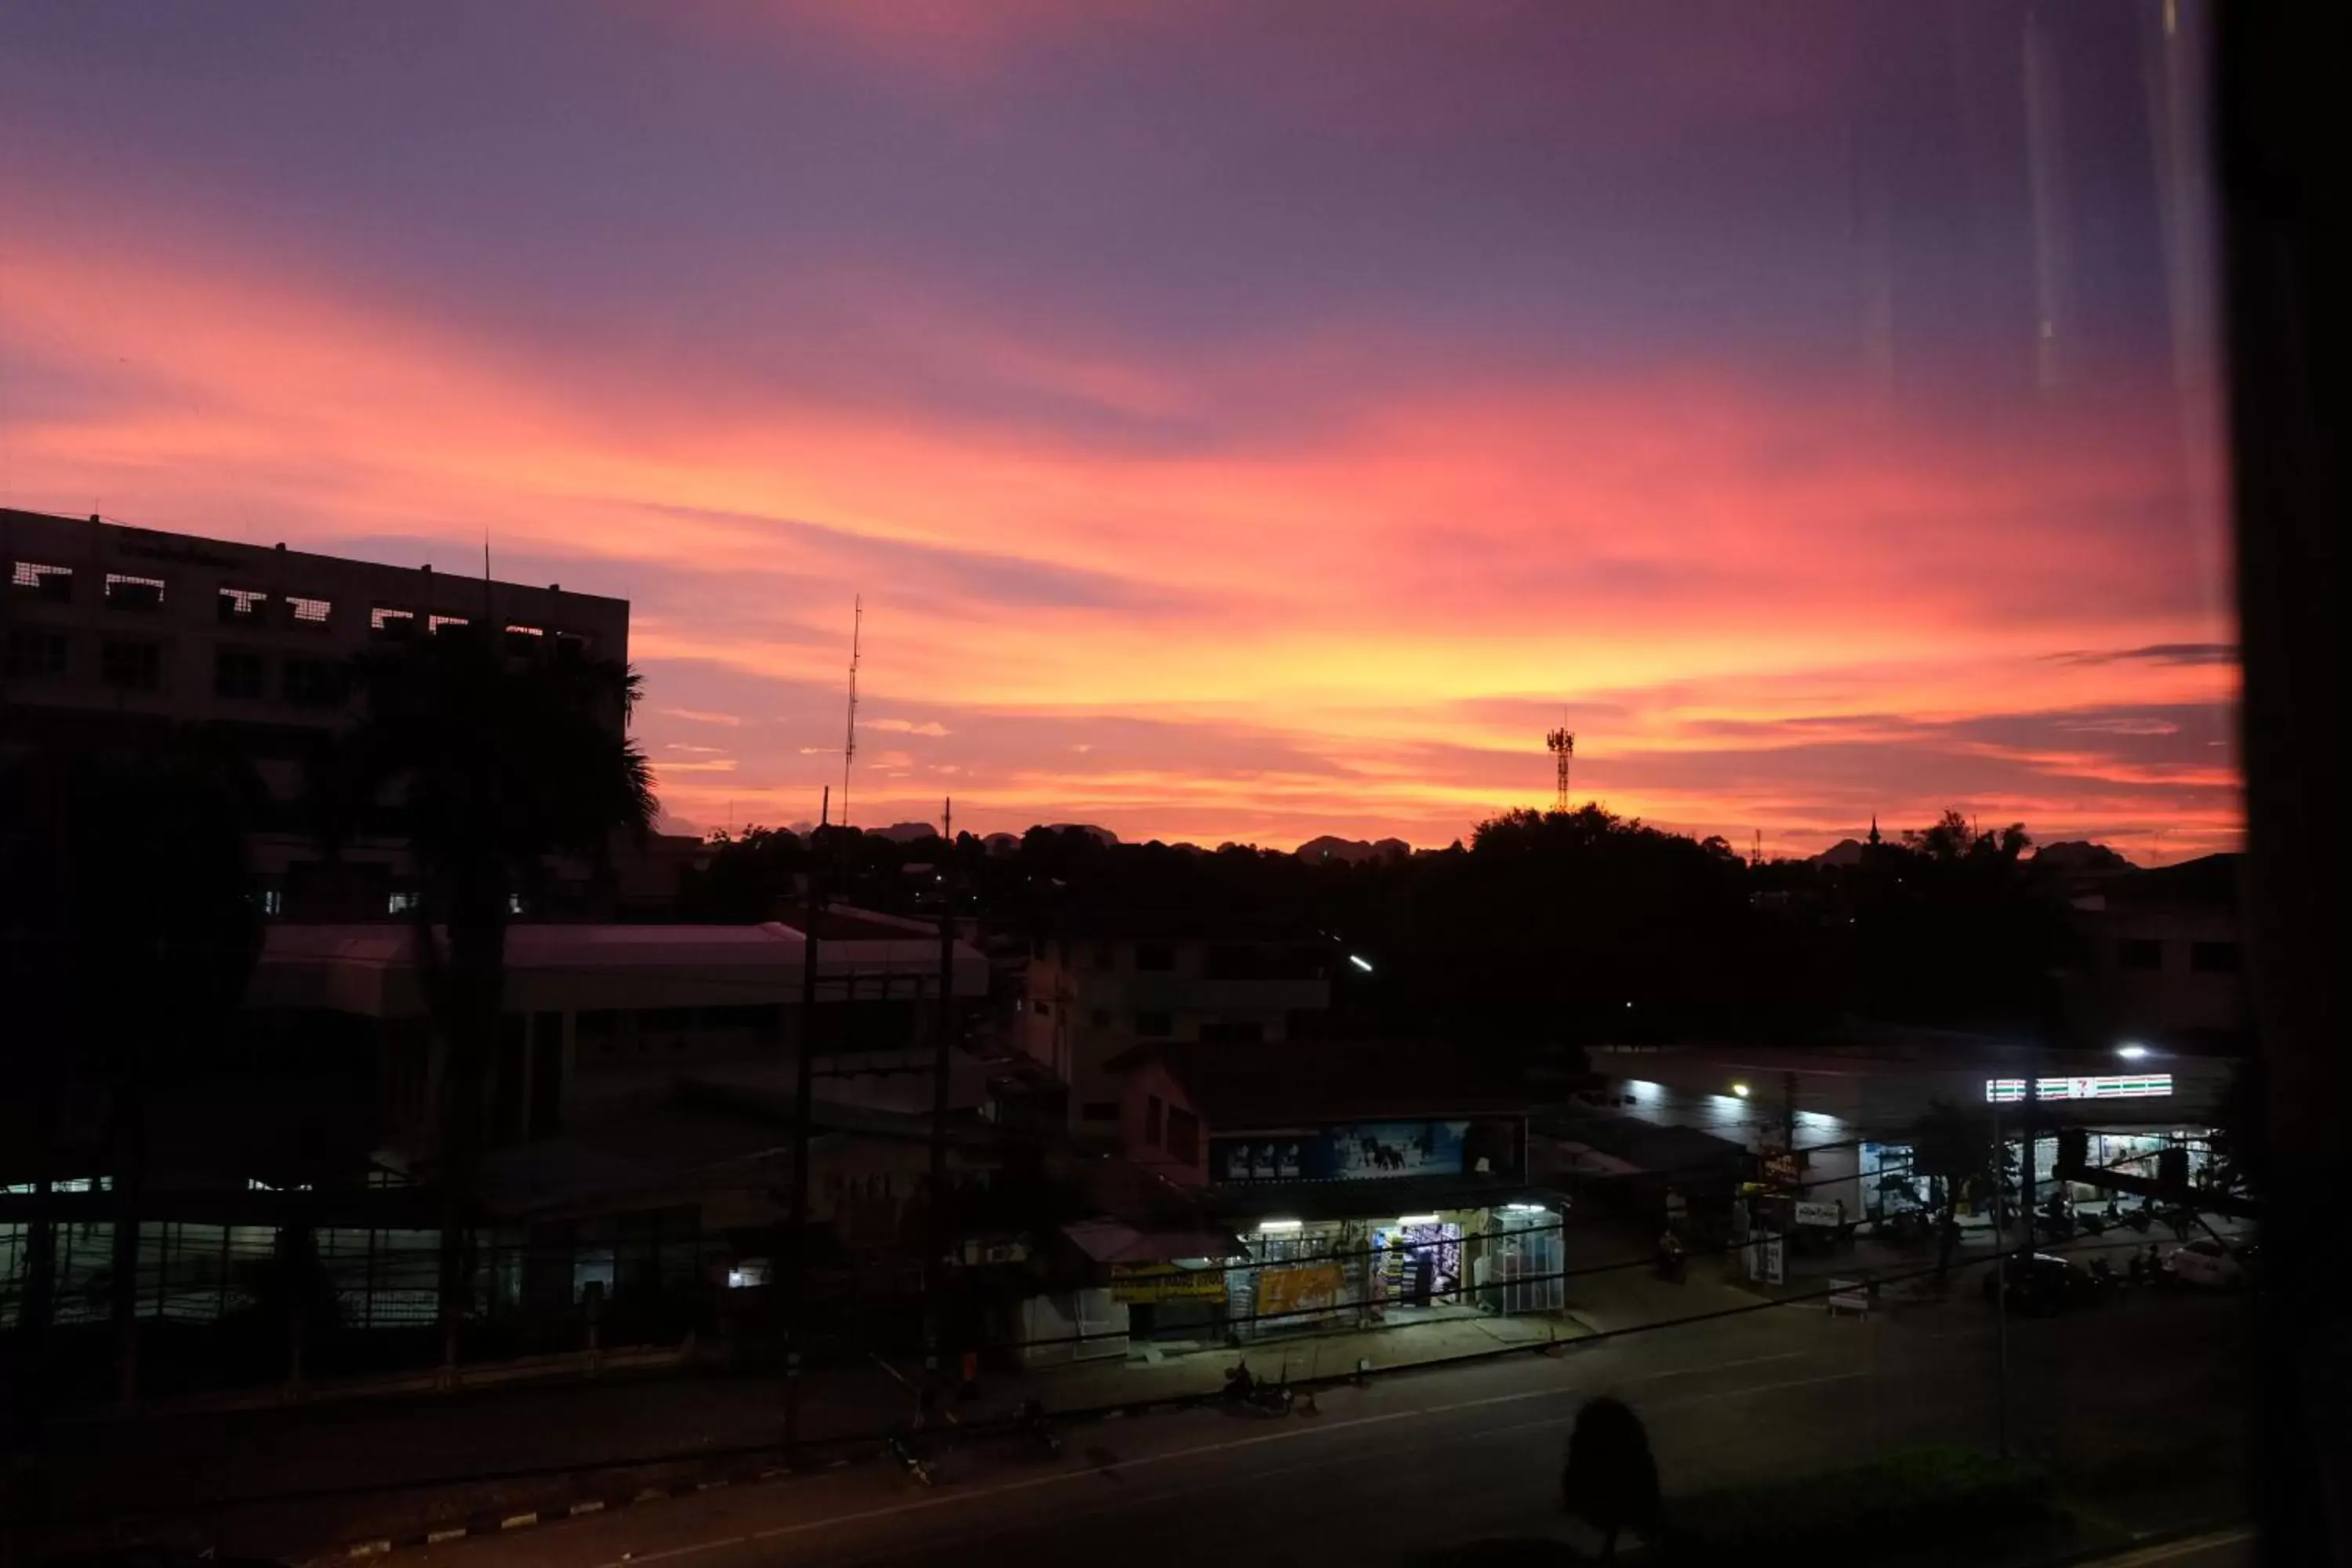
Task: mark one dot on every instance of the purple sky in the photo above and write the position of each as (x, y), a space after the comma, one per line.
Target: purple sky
(1242, 421)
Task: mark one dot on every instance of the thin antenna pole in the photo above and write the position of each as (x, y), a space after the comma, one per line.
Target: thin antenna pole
(849, 744)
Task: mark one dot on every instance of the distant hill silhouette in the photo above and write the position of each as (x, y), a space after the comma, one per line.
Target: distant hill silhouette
(2080, 857)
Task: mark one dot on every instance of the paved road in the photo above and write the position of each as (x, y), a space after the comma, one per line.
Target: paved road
(1431, 1460)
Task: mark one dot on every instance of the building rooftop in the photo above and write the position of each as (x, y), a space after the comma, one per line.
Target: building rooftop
(1308, 1083)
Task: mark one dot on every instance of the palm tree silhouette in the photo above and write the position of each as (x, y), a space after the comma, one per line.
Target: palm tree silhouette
(489, 765)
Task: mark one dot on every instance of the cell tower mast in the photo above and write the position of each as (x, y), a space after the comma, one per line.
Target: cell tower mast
(849, 742)
(1562, 743)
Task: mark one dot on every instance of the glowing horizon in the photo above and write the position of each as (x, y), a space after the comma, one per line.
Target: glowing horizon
(1237, 430)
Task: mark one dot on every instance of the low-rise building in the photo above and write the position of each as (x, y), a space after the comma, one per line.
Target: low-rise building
(1087, 999)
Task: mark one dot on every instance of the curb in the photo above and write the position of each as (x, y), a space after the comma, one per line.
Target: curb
(495, 1522)
(492, 1522)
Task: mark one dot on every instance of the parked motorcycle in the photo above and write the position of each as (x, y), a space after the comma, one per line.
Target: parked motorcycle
(1255, 1394)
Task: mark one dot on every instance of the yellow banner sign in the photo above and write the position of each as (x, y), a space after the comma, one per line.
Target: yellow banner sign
(1142, 1284)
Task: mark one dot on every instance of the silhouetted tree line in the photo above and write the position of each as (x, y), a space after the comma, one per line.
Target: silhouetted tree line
(1544, 930)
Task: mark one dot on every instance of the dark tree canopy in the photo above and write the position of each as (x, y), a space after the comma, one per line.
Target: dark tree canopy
(1545, 932)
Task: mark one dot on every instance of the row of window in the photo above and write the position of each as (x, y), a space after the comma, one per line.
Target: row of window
(251, 607)
(136, 663)
(2204, 957)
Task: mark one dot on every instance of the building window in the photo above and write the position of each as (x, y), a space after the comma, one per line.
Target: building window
(1152, 1107)
(271, 901)
(126, 593)
(524, 640)
(309, 612)
(1183, 1136)
(239, 672)
(400, 902)
(2213, 957)
(2140, 952)
(1155, 1024)
(54, 583)
(1099, 1111)
(35, 654)
(1155, 955)
(316, 682)
(131, 666)
(1247, 1032)
(390, 623)
(443, 623)
(243, 606)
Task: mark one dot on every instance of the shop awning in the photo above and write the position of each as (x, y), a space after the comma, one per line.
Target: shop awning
(1374, 1200)
(1109, 1241)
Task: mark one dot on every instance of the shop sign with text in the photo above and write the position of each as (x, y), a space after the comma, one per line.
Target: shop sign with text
(2109, 1086)
(1148, 1284)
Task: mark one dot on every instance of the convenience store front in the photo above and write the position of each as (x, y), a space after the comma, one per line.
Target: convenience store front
(1313, 1260)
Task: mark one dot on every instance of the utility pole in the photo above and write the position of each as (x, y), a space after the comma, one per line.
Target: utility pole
(803, 1098)
(849, 740)
(942, 1063)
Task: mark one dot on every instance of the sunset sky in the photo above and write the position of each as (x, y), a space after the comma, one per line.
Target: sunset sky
(1243, 421)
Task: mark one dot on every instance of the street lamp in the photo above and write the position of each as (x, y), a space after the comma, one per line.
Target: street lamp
(1363, 963)
(2132, 1053)
(1740, 1090)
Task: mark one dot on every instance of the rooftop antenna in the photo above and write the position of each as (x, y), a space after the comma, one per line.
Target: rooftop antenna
(849, 744)
(1562, 743)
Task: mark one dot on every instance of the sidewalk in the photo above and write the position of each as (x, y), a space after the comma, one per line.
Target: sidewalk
(236, 1481)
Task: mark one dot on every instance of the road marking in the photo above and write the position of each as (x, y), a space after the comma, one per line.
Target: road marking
(1726, 1365)
(1769, 1387)
(1063, 1477)
(2172, 1549)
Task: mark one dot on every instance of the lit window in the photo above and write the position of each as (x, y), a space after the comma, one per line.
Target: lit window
(243, 605)
(400, 903)
(127, 593)
(389, 622)
(48, 581)
(523, 631)
(270, 900)
(309, 612)
(442, 623)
